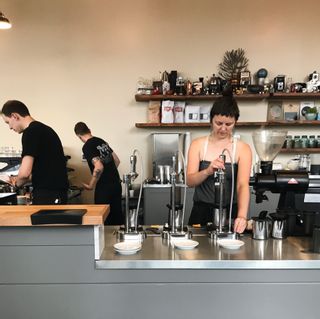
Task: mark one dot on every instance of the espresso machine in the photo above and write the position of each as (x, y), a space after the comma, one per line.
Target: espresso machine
(174, 228)
(9, 165)
(220, 200)
(131, 230)
(292, 185)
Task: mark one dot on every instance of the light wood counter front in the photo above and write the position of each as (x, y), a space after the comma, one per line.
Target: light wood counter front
(19, 215)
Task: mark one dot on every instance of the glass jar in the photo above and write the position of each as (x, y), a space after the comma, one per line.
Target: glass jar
(289, 142)
(312, 141)
(318, 140)
(297, 141)
(305, 162)
(304, 141)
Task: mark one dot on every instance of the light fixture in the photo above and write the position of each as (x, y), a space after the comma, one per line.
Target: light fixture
(4, 22)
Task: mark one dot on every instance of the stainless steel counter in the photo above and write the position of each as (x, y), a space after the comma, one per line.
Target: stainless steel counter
(157, 253)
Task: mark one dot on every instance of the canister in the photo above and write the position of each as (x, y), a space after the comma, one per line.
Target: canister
(289, 141)
(304, 141)
(312, 141)
(297, 141)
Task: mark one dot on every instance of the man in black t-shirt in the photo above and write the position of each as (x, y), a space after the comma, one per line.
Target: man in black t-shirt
(43, 161)
(105, 180)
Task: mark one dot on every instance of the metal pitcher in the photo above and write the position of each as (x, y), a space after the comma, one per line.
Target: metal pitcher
(279, 229)
(279, 225)
(261, 228)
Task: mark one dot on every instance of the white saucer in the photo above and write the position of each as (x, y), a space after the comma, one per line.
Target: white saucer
(230, 243)
(186, 244)
(127, 248)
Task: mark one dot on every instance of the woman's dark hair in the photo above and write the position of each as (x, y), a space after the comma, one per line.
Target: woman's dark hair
(14, 106)
(81, 129)
(225, 105)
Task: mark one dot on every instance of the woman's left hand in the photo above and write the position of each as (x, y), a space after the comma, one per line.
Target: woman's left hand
(240, 224)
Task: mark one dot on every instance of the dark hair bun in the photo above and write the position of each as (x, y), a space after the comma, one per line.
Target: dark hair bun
(227, 91)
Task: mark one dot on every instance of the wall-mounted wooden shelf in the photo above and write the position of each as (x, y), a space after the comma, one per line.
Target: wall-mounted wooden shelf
(168, 125)
(290, 123)
(147, 97)
(295, 95)
(300, 150)
(239, 124)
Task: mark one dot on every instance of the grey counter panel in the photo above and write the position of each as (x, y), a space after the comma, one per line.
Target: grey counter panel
(180, 301)
(46, 235)
(52, 275)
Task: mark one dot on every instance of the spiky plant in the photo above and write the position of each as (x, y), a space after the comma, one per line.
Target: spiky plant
(234, 61)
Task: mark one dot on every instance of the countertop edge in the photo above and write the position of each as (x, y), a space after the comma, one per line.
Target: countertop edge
(208, 264)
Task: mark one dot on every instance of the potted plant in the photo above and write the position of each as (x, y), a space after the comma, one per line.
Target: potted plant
(311, 114)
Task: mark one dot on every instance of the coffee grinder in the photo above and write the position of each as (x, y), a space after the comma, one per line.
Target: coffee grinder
(268, 143)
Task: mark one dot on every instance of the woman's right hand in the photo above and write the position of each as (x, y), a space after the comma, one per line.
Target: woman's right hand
(215, 165)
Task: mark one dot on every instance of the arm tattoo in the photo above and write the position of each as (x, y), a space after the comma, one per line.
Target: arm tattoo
(97, 173)
(95, 159)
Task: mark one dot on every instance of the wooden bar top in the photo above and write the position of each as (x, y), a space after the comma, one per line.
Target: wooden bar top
(20, 215)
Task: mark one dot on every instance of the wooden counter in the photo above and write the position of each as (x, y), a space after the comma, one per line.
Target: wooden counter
(19, 215)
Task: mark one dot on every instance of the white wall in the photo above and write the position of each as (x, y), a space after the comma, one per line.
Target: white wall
(79, 60)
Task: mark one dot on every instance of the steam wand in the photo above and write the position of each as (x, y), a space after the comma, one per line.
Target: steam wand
(221, 183)
(173, 177)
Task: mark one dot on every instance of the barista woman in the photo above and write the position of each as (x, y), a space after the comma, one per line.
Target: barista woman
(204, 161)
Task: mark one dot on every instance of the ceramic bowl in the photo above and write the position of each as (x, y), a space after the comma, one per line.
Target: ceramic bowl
(310, 116)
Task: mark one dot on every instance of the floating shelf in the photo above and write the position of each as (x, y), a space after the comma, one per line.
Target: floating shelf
(295, 95)
(239, 124)
(300, 150)
(147, 97)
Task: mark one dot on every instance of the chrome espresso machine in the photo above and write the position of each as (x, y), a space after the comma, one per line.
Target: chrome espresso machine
(9, 165)
(299, 191)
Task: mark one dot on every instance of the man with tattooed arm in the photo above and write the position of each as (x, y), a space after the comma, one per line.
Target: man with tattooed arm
(105, 180)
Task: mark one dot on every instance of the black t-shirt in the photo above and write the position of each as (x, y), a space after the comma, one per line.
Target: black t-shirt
(97, 147)
(49, 169)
